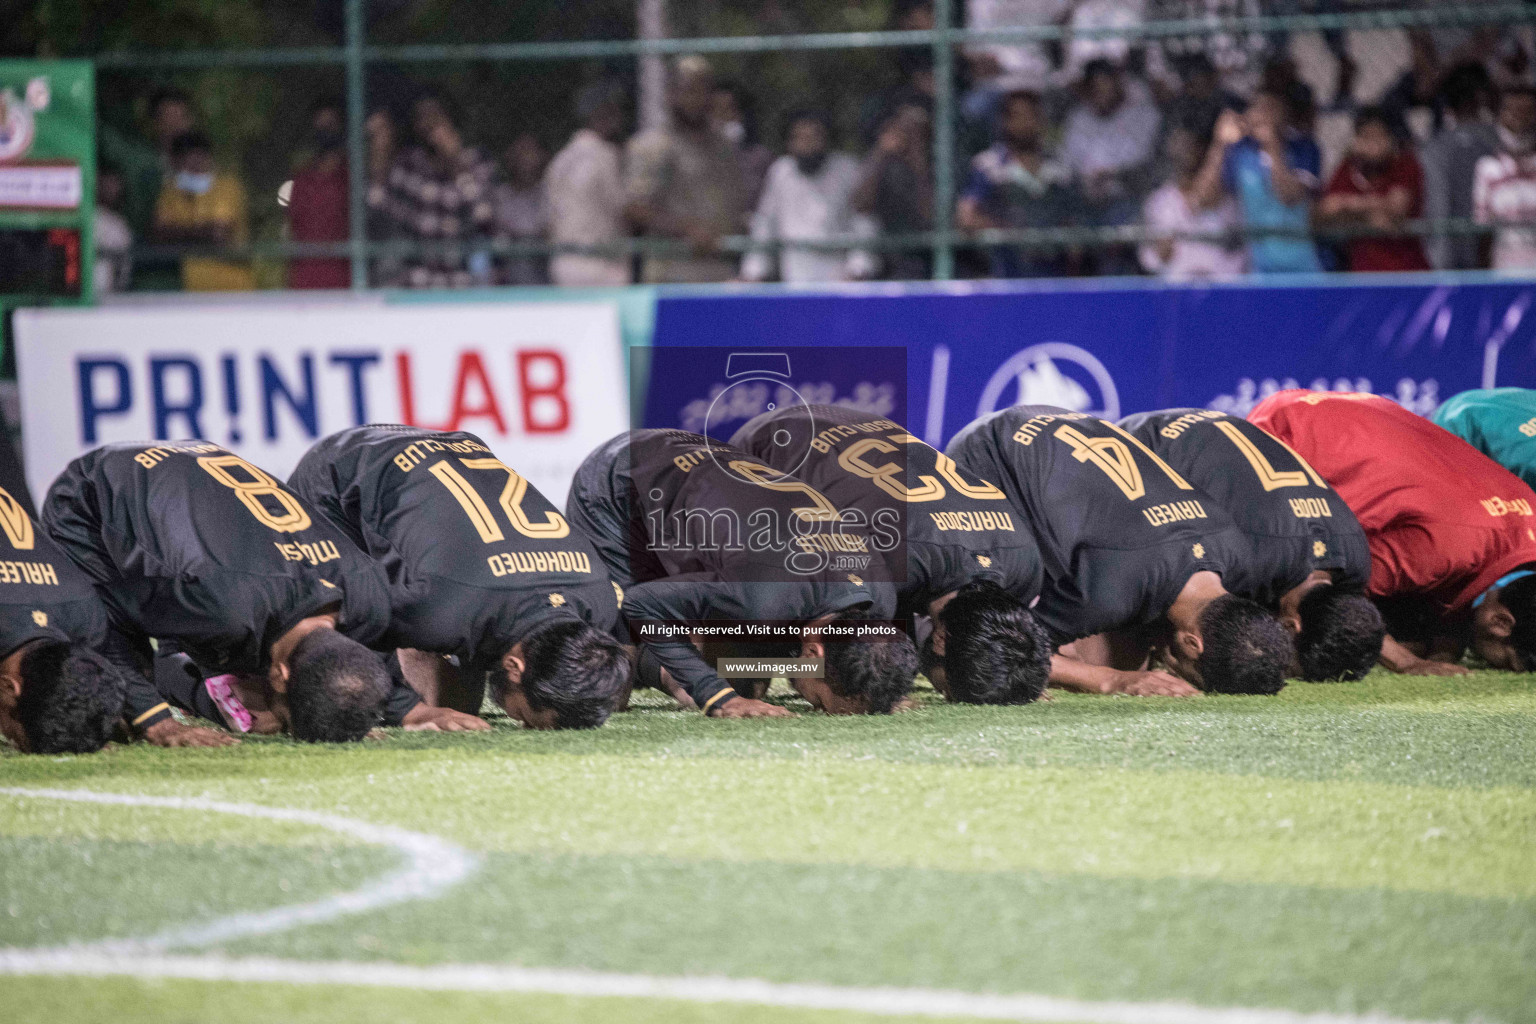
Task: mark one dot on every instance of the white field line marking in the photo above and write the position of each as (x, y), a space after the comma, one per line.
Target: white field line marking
(432, 866)
(436, 865)
(895, 1002)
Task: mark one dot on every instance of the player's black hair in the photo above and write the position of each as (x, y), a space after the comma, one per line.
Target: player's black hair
(571, 667)
(878, 671)
(1520, 598)
(1341, 634)
(1246, 649)
(71, 697)
(194, 141)
(994, 650)
(336, 688)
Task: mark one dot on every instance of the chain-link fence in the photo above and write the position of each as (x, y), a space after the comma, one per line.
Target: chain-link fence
(803, 142)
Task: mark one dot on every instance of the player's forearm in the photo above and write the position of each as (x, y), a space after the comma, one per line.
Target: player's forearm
(683, 662)
(1081, 677)
(143, 704)
(1396, 657)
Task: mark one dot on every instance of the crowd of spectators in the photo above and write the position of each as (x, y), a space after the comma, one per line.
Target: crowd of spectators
(1206, 143)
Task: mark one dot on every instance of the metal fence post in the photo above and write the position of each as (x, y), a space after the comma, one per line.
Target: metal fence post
(943, 139)
(357, 150)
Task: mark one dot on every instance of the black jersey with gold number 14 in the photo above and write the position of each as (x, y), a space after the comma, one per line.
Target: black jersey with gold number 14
(1120, 531)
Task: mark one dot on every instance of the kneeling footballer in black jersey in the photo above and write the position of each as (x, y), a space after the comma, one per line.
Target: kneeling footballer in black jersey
(191, 545)
(1133, 553)
(58, 694)
(961, 554)
(707, 540)
(1308, 560)
(481, 567)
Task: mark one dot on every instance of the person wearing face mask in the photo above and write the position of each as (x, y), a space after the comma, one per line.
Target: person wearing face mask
(1504, 185)
(733, 113)
(317, 205)
(1378, 186)
(200, 205)
(809, 196)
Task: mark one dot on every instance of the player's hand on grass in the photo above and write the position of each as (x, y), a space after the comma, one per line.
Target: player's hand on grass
(746, 707)
(1153, 684)
(170, 733)
(1425, 667)
(422, 718)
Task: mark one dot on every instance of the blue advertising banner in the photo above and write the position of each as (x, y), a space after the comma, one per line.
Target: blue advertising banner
(1111, 350)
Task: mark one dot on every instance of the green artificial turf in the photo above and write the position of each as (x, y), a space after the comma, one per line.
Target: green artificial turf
(1353, 847)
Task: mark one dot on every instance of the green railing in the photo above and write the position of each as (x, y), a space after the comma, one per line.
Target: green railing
(356, 54)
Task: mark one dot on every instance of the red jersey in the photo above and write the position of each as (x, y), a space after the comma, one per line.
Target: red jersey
(1443, 520)
(317, 212)
(1404, 252)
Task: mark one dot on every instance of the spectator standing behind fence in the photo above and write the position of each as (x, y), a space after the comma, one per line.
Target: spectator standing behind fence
(522, 210)
(317, 204)
(201, 205)
(1450, 161)
(584, 187)
(146, 165)
(1504, 185)
(685, 182)
(1109, 142)
(439, 192)
(733, 114)
(1200, 97)
(1016, 183)
(1271, 169)
(896, 188)
(1171, 211)
(111, 233)
(808, 196)
(1378, 186)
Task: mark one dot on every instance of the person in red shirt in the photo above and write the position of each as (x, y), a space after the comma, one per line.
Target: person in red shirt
(1452, 533)
(317, 206)
(1378, 186)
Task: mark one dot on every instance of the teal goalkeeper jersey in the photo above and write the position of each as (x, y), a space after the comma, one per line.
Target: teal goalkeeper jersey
(1500, 423)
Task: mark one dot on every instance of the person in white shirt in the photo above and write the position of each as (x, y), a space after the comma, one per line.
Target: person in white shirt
(584, 192)
(113, 236)
(1170, 213)
(1504, 184)
(808, 196)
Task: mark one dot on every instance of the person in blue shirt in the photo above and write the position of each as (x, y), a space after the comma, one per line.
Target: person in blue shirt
(1499, 422)
(1273, 171)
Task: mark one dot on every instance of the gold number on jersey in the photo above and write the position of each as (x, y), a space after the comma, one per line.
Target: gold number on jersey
(251, 492)
(553, 527)
(951, 472)
(888, 476)
(1271, 478)
(1114, 457)
(821, 511)
(15, 522)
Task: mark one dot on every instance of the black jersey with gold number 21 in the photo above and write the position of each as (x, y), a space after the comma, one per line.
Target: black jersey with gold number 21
(476, 556)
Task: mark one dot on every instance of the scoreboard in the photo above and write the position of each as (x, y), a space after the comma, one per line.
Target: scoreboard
(47, 181)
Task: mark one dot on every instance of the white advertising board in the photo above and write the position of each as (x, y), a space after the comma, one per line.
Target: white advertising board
(541, 383)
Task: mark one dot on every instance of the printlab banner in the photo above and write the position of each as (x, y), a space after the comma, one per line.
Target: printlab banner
(542, 384)
(1113, 351)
